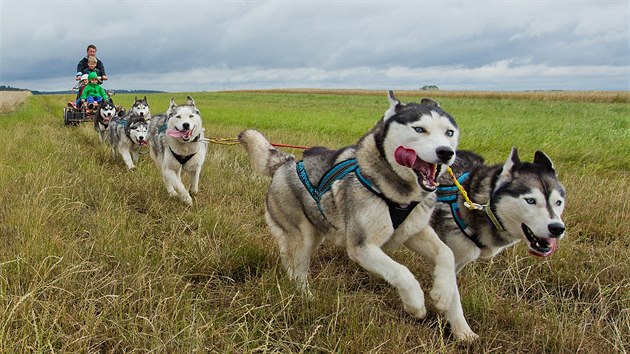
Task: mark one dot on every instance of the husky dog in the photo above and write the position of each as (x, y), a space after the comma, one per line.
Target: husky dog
(141, 108)
(105, 112)
(521, 201)
(177, 143)
(126, 136)
(370, 197)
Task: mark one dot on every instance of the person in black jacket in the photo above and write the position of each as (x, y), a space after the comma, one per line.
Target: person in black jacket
(83, 64)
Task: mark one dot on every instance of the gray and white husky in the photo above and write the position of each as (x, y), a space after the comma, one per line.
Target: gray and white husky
(370, 197)
(178, 144)
(126, 136)
(140, 107)
(520, 200)
(105, 112)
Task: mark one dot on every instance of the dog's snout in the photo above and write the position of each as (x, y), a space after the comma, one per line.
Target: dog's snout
(556, 228)
(141, 138)
(186, 126)
(444, 153)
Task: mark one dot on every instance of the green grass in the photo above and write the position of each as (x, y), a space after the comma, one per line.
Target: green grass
(97, 259)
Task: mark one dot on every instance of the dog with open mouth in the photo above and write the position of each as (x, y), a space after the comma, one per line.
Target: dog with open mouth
(516, 201)
(127, 135)
(104, 114)
(178, 144)
(370, 197)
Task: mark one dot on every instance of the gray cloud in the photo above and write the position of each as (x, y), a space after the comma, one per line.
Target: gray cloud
(192, 45)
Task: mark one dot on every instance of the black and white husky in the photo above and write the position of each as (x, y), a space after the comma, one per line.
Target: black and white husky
(178, 144)
(515, 201)
(105, 112)
(370, 197)
(126, 135)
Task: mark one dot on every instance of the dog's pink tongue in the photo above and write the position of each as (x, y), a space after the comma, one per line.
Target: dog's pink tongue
(405, 157)
(553, 244)
(179, 133)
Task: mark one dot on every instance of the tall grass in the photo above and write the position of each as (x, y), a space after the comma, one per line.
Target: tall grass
(97, 259)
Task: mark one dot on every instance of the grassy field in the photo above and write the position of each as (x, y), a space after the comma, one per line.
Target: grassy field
(97, 259)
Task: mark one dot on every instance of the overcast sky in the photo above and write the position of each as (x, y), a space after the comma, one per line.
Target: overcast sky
(184, 45)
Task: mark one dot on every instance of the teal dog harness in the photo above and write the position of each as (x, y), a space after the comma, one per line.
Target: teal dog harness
(398, 212)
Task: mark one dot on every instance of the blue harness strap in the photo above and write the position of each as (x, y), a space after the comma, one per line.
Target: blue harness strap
(449, 195)
(398, 213)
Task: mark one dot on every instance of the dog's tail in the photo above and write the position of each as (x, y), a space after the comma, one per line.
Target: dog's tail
(265, 158)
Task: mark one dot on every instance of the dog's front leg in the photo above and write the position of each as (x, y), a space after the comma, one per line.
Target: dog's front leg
(372, 258)
(428, 244)
(174, 185)
(194, 180)
(455, 316)
(124, 152)
(135, 155)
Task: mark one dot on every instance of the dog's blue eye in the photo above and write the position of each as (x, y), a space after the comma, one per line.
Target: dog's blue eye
(419, 130)
(450, 133)
(530, 200)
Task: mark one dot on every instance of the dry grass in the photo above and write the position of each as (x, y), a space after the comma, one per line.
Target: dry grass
(11, 100)
(95, 259)
(572, 96)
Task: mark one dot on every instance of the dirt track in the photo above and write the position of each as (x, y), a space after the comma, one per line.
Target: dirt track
(10, 100)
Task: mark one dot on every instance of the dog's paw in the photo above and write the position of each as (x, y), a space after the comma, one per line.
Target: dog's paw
(466, 335)
(442, 295)
(417, 311)
(187, 199)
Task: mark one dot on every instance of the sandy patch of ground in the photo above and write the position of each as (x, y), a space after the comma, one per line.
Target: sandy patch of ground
(10, 100)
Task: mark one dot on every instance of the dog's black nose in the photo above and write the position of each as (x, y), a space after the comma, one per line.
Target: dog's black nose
(444, 153)
(186, 126)
(556, 228)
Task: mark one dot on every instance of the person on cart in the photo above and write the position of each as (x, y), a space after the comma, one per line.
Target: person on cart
(83, 64)
(93, 92)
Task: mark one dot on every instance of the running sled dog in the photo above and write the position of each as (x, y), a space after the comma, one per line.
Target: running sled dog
(370, 197)
(127, 135)
(178, 144)
(518, 201)
(105, 112)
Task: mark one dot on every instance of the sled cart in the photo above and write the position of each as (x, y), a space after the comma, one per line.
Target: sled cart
(73, 115)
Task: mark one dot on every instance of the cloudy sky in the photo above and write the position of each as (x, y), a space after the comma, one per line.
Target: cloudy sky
(198, 45)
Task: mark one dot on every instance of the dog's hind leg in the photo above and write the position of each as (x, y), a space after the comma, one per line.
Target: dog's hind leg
(428, 244)
(372, 258)
(297, 244)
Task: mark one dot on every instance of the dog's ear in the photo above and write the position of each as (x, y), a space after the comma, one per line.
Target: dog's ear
(172, 104)
(394, 106)
(145, 99)
(429, 102)
(507, 172)
(190, 101)
(135, 99)
(540, 158)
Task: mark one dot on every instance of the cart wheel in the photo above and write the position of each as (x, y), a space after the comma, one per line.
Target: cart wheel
(67, 116)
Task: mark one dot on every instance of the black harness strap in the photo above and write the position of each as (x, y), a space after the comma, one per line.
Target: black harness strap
(181, 159)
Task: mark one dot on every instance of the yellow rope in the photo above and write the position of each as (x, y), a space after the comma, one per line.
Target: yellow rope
(224, 141)
(468, 203)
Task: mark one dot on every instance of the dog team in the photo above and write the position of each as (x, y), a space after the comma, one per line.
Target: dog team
(403, 183)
